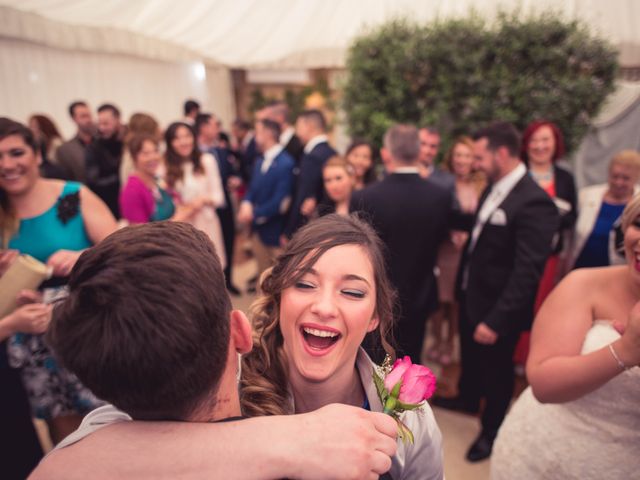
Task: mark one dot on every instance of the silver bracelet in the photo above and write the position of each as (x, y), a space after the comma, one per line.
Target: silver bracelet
(617, 358)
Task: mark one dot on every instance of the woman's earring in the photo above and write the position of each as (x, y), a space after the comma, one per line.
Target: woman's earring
(239, 369)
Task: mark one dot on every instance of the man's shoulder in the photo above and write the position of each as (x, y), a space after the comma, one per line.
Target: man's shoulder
(285, 159)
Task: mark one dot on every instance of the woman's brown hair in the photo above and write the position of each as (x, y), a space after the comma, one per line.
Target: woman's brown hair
(264, 387)
(8, 219)
(173, 160)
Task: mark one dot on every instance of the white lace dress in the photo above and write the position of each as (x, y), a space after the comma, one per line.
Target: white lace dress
(208, 184)
(596, 437)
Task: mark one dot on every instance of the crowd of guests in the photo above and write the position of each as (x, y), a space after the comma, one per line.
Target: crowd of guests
(368, 250)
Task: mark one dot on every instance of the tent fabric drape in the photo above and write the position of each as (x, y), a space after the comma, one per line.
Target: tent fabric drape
(42, 79)
(617, 128)
(246, 33)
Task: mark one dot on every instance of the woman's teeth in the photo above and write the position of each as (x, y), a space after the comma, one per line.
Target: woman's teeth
(320, 333)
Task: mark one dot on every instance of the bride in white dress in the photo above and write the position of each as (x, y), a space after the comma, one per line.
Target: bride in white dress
(580, 418)
(195, 177)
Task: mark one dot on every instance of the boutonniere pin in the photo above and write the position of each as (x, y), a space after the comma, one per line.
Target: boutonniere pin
(403, 386)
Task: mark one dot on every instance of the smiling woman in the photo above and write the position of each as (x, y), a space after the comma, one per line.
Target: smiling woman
(326, 292)
(53, 221)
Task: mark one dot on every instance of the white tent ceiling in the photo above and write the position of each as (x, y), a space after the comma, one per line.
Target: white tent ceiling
(279, 33)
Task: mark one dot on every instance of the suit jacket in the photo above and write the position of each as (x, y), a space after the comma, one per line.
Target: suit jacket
(295, 148)
(412, 217)
(308, 183)
(565, 190)
(269, 193)
(506, 263)
(102, 170)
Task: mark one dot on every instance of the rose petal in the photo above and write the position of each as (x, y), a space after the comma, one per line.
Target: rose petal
(396, 373)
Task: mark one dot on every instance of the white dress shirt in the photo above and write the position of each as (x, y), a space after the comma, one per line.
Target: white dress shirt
(311, 144)
(287, 135)
(499, 191)
(269, 156)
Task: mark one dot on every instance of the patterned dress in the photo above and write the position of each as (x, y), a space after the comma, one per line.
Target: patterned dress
(53, 391)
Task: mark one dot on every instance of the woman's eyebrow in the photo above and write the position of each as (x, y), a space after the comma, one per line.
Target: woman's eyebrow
(352, 276)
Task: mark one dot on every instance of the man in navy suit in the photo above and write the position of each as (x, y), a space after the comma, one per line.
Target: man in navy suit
(498, 279)
(311, 128)
(266, 202)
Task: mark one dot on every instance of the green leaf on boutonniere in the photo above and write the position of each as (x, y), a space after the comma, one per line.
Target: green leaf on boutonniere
(404, 432)
(379, 383)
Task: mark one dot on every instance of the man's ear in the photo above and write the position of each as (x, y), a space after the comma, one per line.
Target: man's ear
(241, 332)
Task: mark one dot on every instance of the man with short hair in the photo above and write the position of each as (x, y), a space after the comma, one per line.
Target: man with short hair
(148, 326)
(498, 279)
(267, 200)
(412, 217)
(280, 113)
(207, 129)
(191, 110)
(103, 157)
(70, 155)
(429, 146)
(311, 128)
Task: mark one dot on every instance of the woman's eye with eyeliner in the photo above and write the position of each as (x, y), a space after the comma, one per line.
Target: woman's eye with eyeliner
(354, 293)
(303, 285)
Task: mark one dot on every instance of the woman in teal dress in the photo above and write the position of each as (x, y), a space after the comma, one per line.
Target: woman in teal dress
(53, 221)
(142, 199)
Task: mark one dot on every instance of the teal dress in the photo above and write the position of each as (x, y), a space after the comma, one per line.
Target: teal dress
(53, 391)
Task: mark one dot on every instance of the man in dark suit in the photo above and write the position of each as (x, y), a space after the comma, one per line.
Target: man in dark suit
(498, 279)
(311, 128)
(207, 130)
(265, 203)
(412, 216)
(103, 157)
(281, 114)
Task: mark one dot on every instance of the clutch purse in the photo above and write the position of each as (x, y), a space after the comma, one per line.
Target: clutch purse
(25, 273)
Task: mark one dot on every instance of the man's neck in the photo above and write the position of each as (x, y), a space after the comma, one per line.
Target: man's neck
(508, 168)
(226, 404)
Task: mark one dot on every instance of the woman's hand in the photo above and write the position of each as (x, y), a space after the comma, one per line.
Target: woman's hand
(63, 261)
(26, 297)
(6, 259)
(628, 347)
(33, 318)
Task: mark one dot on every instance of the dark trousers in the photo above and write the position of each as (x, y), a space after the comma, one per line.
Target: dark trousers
(21, 451)
(487, 372)
(229, 236)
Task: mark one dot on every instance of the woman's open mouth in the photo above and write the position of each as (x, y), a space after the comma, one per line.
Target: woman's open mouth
(319, 341)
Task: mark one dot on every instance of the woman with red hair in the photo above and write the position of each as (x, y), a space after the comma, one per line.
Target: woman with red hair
(542, 146)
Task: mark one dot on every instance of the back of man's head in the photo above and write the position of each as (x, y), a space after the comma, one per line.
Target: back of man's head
(315, 119)
(190, 107)
(146, 324)
(403, 144)
(500, 134)
(281, 113)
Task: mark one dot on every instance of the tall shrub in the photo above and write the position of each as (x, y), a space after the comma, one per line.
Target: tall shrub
(460, 74)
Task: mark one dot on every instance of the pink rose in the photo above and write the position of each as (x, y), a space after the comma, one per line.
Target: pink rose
(418, 382)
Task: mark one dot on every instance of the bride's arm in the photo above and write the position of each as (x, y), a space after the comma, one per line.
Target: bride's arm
(556, 370)
(337, 441)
